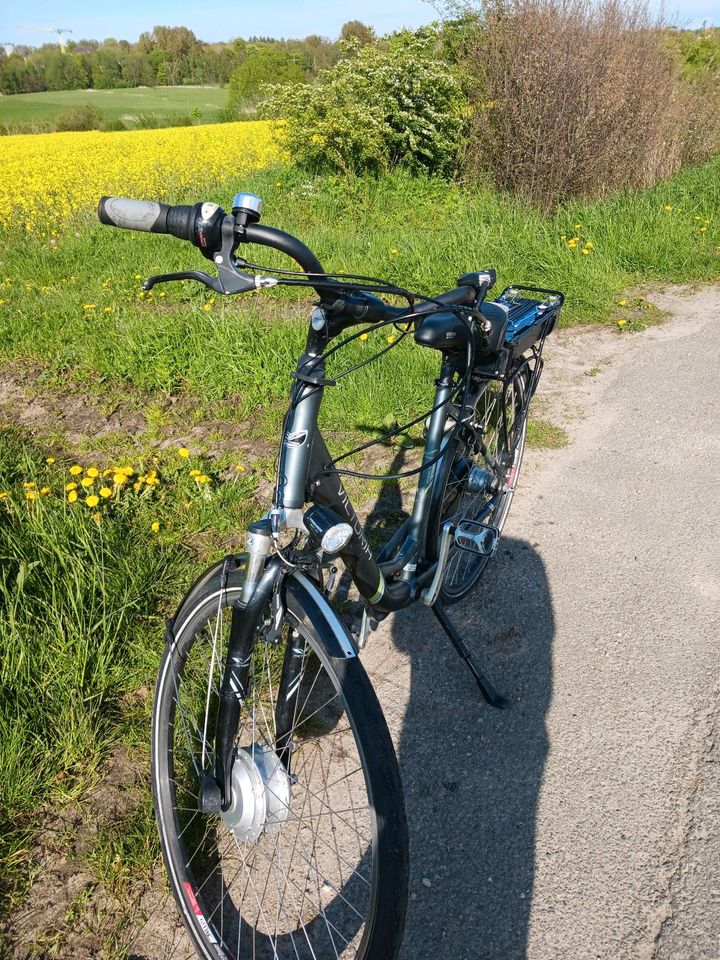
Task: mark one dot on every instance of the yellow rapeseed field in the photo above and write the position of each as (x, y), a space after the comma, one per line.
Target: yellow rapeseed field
(46, 178)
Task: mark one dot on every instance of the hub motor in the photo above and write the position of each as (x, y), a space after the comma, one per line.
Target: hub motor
(260, 793)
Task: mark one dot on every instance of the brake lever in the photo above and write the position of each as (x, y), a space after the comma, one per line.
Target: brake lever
(229, 279)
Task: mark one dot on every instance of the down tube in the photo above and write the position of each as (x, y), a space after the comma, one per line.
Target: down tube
(327, 490)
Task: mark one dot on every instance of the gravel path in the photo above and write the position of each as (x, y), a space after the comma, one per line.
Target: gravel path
(585, 821)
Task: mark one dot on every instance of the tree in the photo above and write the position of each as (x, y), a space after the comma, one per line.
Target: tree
(263, 64)
(356, 30)
(65, 71)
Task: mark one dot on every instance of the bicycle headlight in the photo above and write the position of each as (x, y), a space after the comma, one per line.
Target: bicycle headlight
(325, 526)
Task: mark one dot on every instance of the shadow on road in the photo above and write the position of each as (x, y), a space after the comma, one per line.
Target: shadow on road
(472, 773)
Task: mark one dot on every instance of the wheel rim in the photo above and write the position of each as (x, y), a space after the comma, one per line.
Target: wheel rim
(464, 568)
(293, 877)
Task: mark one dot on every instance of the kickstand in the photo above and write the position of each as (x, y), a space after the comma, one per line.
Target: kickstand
(486, 688)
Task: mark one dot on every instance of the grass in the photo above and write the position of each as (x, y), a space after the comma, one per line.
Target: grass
(22, 110)
(85, 597)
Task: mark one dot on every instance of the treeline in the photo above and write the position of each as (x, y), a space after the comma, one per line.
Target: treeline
(167, 56)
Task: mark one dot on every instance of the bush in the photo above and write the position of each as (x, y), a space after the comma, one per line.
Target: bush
(383, 105)
(82, 117)
(575, 99)
(264, 64)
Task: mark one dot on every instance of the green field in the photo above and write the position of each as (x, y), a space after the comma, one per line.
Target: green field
(24, 109)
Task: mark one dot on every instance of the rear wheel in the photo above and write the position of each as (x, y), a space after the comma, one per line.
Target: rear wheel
(478, 486)
(310, 861)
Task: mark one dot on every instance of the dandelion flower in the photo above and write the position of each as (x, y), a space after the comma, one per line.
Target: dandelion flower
(621, 323)
(44, 491)
(72, 496)
(119, 479)
(203, 478)
(391, 338)
(183, 452)
(703, 229)
(240, 468)
(586, 253)
(105, 492)
(622, 303)
(363, 337)
(128, 471)
(87, 481)
(394, 251)
(92, 501)
(194, 473)
(155, 526)
(74, 471)
(50, 460)
(31, 495)
(207, 307)
(92, 472)
(668, 207)
(29, 484)
(136, 486)
(70, 486)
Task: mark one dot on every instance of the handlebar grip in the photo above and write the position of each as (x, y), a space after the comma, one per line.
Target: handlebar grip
(146, 215)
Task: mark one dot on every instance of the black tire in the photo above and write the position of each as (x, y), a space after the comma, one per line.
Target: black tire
(329, 877)
(451, 500)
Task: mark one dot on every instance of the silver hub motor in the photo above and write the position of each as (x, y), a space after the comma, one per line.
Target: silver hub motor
(260, 793)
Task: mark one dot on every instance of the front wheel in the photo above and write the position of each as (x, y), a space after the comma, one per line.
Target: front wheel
(499, 421)
(310, 860)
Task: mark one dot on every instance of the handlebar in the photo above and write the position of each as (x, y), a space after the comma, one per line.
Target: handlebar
(217, 235)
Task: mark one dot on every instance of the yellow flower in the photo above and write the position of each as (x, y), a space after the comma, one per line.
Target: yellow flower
(29, 484)
(183, 452)
(128, 471)
(667, 207)
(363, 337)
(136, 486)
(72, 496)
(391, 338)
(4, 495)
(92, 472)
(88, 306)
(107, 309)
(87, 481)
(44, 491)
(138, 276)
(50, 460)
(74, 471)
(563, 236)
(152, 481)
(105, 492)
(394, 251)
(106, 473)
(578, 226)
(698, 217)
(240, 468)
(621, 323)
(92, 501)
(194, 473)
(31, 495)
(207, 307)
(586, 253)
(703, 229)
(155, 526)
(623, 303)
(119, 479)
(71, 486)
(203, 479)
(589, 245)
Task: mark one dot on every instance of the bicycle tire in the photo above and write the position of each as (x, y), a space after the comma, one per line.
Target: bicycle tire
(339, 890)
(452, 501)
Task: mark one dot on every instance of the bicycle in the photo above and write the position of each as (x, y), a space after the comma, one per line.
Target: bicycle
(276, 785)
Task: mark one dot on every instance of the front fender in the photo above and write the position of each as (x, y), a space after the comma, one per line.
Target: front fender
(326, 623)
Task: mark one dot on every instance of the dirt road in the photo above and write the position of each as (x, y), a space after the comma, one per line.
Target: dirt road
(585, 821)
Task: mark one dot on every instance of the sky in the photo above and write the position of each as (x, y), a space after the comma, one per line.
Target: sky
(224, 20)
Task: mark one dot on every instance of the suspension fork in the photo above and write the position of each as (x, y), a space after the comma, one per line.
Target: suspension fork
(235, 684)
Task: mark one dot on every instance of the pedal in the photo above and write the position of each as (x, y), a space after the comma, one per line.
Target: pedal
(478, 538)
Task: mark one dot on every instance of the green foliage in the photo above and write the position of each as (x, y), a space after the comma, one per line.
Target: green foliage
(64, 71)
(82, 117)
(382, 106)
(264, 64)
